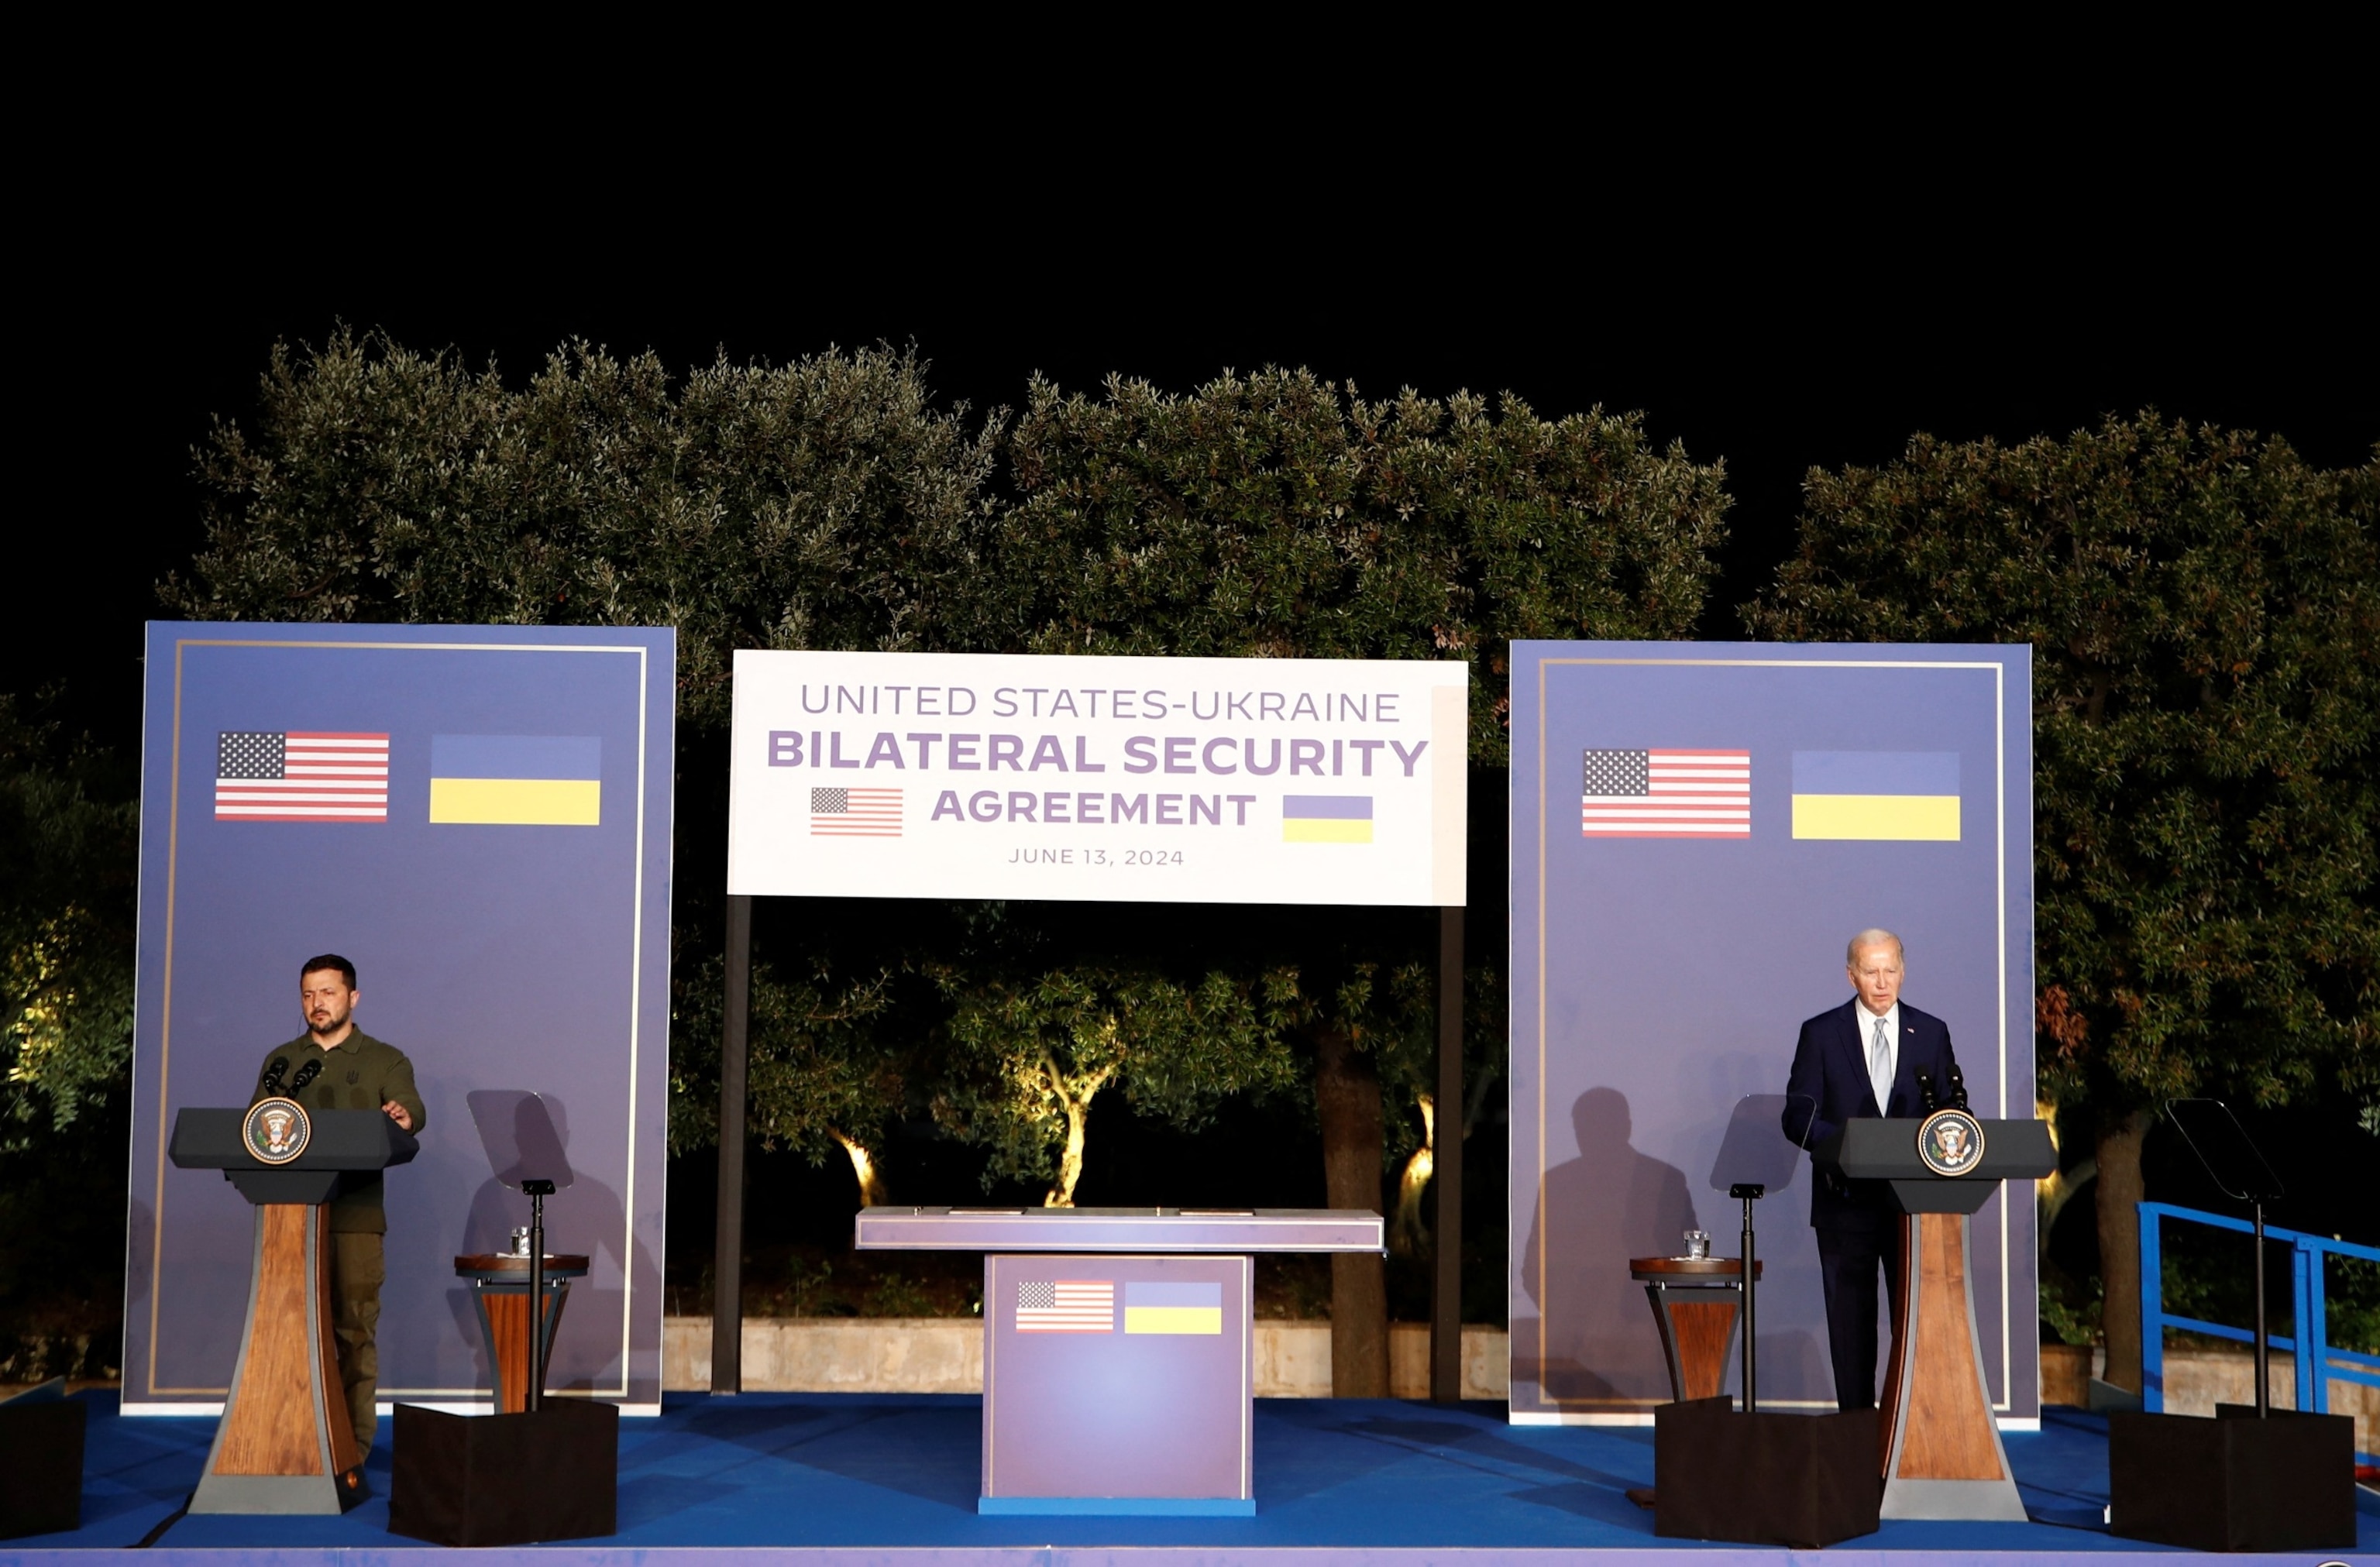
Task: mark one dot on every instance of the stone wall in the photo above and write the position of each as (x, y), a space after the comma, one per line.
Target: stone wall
(944, 1354)
(2198, 1380)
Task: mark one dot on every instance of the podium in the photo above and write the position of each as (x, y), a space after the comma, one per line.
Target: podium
(1942, 1452)
(287, 1442)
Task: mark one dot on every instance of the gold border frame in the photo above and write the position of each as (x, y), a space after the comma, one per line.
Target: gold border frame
(165, 987)
(1999, 829)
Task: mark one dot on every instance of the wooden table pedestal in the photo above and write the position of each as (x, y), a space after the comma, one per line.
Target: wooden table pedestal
(499, 1290)
(1698, 1300)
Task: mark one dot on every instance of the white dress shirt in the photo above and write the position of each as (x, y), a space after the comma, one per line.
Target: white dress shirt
(1868, 1021)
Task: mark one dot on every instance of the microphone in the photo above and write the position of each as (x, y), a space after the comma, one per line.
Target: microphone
(273, 1074)
(305, 1075)
(1926, 1102)
(1957, 1088)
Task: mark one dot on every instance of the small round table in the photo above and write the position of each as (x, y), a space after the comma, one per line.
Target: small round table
(499, 1290)
(1698, 1300)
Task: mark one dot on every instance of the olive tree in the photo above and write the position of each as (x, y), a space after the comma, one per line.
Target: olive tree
(2203, 607)
(1281, 515)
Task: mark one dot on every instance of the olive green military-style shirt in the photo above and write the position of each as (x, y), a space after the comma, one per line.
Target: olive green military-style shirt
(359, 1073)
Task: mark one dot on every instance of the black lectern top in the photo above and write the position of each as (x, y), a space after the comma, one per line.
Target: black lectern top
(1873, 1149)
(341, 1139)
(340, 1142)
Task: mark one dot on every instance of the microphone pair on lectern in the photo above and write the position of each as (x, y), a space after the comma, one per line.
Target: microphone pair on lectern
(1928, 1103)
(280, 1068)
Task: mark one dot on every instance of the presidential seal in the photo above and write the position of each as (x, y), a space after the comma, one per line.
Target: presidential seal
(1950, 1142)
(275, 1129)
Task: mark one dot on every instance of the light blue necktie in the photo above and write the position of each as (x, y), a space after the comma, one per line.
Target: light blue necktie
(1879, 1069)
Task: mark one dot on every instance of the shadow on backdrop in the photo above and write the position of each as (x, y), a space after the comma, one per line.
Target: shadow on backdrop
(1596, 1338)
(524, 1134)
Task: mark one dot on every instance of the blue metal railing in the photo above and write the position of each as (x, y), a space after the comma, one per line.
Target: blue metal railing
(2317, 1367)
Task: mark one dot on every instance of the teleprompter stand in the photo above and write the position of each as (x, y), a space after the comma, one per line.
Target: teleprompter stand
(287, 1442)
(1799, 1480)
(550, 1472)
(2252, 1478)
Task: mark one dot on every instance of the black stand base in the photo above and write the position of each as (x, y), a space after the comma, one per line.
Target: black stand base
(2235, 1482)
(506, 1479)
(41, 1466)
(1798, 1480)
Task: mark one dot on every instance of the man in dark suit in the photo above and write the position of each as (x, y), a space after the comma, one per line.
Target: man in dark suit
(1861, 1059)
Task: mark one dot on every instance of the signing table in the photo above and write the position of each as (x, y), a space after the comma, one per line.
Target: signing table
(1118, 1346)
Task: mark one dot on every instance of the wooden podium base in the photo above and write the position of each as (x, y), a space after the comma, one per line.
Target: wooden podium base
(286, 1443)
(1942, 1453)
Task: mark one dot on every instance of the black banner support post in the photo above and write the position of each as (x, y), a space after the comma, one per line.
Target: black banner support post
(727, 1256)
(1446, 1293)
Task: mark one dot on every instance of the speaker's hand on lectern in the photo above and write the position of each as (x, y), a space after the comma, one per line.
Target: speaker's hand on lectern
(398, 1113)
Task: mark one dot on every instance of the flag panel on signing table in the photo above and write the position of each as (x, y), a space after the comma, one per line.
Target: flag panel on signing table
(1065, 1306)
(1901, 795)
(854, 813)
(1326, 818)
(1156, 1307)
(1666, 794)
(516, 779)
(300, 775)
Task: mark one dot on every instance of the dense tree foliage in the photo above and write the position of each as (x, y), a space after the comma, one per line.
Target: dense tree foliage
(1276, 516)
(822, 504)
(2203, 608)
(68, 847)
(68, 840)
(827, 503)
(1026, 1058)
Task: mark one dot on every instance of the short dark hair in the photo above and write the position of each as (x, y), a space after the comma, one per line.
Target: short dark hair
(329, 960)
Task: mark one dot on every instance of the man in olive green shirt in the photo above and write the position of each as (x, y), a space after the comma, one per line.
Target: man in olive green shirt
(344, 1068)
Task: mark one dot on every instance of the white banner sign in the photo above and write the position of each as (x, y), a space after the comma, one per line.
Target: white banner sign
(1229, 781)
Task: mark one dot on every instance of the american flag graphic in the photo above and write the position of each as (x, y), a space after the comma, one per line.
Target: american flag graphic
(301, 776)
(854, 813)
(1666, 794)
(1065, 1306)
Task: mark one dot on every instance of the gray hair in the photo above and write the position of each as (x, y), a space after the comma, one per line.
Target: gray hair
(1875, 936)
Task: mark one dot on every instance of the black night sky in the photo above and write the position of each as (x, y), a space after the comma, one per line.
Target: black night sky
(1772, 337)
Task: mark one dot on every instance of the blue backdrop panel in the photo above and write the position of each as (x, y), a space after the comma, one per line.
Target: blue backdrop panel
(1658, 978)
(519, 954)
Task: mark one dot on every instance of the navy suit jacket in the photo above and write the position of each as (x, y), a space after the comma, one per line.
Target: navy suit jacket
(1830, 1086)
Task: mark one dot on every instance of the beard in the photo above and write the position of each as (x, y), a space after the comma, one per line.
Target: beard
(337, 1020)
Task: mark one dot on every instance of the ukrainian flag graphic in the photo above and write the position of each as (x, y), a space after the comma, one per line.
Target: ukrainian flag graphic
(1326, 818)
(516, 779)
(1152, 1307)
(1876, 795)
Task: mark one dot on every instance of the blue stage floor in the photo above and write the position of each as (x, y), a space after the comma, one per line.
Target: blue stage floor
(859, 1476)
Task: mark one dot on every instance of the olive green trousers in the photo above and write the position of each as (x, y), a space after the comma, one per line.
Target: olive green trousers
(357, 1271)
